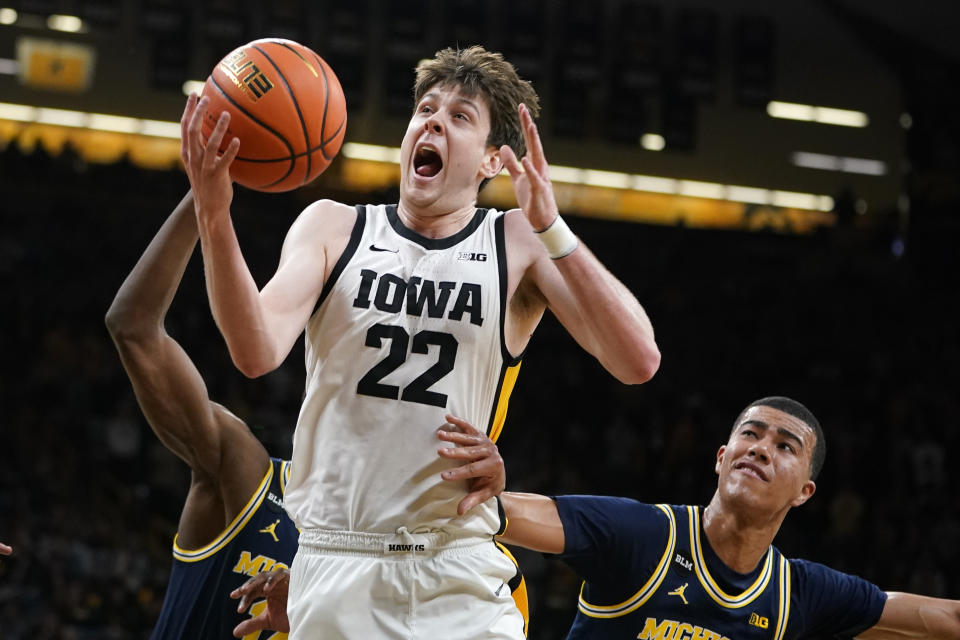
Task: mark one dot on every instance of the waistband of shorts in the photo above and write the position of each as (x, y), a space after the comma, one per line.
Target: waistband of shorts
(403, 542)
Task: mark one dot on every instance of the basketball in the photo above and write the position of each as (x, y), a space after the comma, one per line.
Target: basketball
(286, 107)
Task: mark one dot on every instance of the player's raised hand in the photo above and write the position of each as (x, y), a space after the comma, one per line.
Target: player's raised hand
(483, 467)
(272, 585)
(530, 176)
(208, 171)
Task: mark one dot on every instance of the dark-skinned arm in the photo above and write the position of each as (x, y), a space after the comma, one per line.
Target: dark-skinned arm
(217, 445)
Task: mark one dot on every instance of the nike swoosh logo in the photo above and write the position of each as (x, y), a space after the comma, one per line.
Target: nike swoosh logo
(374, 247)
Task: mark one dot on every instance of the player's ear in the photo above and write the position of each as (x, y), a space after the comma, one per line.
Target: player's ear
(491, 164)
(806, 492)
(720, 452)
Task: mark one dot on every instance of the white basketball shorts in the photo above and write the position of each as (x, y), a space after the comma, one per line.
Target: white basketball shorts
(403, 586)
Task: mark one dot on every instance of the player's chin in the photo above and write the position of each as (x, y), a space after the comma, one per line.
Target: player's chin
(749, 491)
(420, 194)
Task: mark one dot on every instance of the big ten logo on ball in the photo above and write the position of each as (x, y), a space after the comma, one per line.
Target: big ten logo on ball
(246, 75)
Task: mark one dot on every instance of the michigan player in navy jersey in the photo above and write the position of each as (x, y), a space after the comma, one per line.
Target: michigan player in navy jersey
(233, 524)
(668, 572)
(410, 311)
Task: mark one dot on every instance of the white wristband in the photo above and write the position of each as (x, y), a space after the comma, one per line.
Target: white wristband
(558, 240)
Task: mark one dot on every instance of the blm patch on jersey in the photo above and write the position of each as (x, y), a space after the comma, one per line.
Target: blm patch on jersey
(274, 502)
(682, 565)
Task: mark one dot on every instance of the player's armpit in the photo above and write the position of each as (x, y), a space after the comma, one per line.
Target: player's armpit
(914, 617)
(532, 522)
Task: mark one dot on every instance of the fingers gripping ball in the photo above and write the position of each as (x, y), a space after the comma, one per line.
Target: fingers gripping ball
(287, 108)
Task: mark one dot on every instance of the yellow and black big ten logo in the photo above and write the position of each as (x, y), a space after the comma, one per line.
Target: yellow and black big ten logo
(246, 75)
(759, 621)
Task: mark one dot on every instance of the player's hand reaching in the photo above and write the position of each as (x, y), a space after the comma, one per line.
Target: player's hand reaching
(531, 178)
(483, 467)
(5, 550)
(208, 171)
(272, 585)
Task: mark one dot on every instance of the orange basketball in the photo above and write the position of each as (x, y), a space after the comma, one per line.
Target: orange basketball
(287, 108)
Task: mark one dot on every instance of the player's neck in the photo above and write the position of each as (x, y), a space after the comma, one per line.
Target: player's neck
(739, 537)
(431, 223)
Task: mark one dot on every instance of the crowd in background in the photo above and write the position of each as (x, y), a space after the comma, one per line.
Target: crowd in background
(868, 339)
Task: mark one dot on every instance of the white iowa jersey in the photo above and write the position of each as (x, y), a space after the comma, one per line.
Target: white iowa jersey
(406, 330)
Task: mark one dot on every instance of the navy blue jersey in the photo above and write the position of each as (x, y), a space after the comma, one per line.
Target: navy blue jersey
(261, 538)
(650, 573)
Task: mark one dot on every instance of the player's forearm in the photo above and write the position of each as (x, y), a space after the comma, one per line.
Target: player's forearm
(142, 301)
(235, 300)
(914, 617)
(533, 522)
(622, 334)
(935, 618)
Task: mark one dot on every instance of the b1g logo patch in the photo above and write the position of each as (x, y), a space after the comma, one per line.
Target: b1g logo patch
(757, 620)
(472, 257)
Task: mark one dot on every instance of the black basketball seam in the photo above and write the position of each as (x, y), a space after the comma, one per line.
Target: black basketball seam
(323, 143)
(296, 105)
(292, 156)
(265, 126)
(333, 136)
(326, 105)
(326, 101)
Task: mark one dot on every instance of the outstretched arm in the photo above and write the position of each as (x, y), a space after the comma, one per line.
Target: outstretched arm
(169, 388)
(907, 616)
(596, 308)
(532, 522)
(260, 327)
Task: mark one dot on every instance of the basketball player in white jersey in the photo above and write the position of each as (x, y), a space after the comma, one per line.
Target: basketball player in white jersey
(411, 311)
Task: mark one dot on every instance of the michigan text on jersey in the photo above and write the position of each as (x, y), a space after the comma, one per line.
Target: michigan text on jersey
(251, 566)
(676, 630)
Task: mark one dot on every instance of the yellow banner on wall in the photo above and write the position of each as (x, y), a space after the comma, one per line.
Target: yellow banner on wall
(55, 65)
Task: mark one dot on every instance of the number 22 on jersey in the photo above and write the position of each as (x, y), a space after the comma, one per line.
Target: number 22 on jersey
(419, 389)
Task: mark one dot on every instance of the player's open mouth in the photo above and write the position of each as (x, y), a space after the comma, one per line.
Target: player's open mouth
(427, 162)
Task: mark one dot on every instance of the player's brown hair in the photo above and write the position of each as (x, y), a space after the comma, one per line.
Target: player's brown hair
(478, 71)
